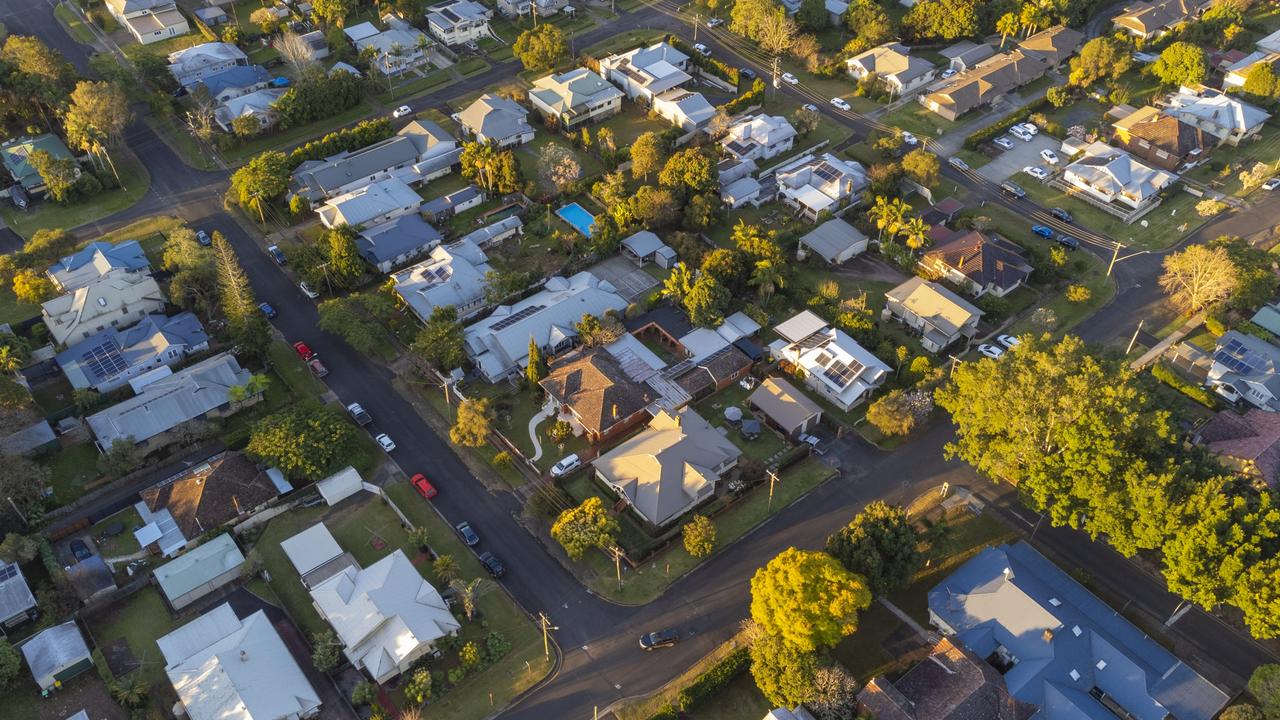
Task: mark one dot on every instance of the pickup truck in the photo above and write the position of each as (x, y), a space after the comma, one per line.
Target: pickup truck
(361, 417)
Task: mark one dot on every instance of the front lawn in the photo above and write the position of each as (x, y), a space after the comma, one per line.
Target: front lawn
(623, 42)
(916, 118)
(630, 124)
(74, 25)
(1222, 171)
(295, 373)
(48, 214)
(1165, 225)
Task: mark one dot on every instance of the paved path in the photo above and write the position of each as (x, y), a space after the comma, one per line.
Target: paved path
(1158, 349)
(547, 411)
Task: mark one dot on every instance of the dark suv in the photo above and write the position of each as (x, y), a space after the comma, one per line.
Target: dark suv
(1012, 190)
(660, 639)
(492, 564)
(1061, 214)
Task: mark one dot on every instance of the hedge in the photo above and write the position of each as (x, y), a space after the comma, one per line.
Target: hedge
(973, 141)
(746, 99)
(716, 67)
(714, 679)
(366, 132)
(1166, 374)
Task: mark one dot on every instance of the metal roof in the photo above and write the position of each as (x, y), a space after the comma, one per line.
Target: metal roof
(53, 650)
(196, 567)
(15, 596)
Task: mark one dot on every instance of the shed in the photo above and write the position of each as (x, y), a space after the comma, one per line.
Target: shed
(30, 440)
(200, 571)
(211, 15)
(340, 485)
(835, 241)
(1268, 318)
(316, 555)
(788, 409)
(56, 655)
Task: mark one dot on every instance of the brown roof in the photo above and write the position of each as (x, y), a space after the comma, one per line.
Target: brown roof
(212, 494)
(990, 78)
(592, 383)
(1252, 438)
(952, 684)
(1054, 44)
(1148, 17)
(1161, 132)
(718, 367)
(984, 259)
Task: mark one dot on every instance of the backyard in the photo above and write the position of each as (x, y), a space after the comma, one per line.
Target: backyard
(70, 468)
(139, 620)
(528, 155)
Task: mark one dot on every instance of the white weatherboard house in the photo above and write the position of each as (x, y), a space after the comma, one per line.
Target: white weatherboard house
(454, 275)
(1114, 176)
(370, 205)
(498, 120)
(894, 66)
(398, 48)
(386, 615)
(418, 152)
(459, 21)
(645, 73)
(759, 137)
(834, 364)
(110, 359)
(198, 572)
(316, 555)
(117, 299)
(17, 604)
(939, 315)
(149, 21)
(95, 260)
(191, 65)
(575, 97)
(224, 667)
(686, 110)
(1246, 367)
(1223, 116)
(817, 184)
(259, 103)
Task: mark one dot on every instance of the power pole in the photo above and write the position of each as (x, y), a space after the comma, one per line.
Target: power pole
(545, 623)
(617, 563)
(773, 478)
(777, 81)
(1114, 255)
(697, 19)
(1134, 339)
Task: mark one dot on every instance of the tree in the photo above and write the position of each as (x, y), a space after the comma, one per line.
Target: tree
(783, 673)
(888, 214)
(916, 232)
(813, 15)
(542, 47)
(922, 166)
(1242, 712)
(10, 664)
(246, 126)
(19, 548)
(346, 268)
(690, 169)
(33, 287)
(747, 17)
(1256, 283)
(1255, 176)
(261, 180)
(1261, 82)
(727, 266)
(756, 243)
(473, 424)
(536, 369)
(655, 207)
(327, 655)
(557, 164)
(468, 593)
(307, 441)
(1102, 58)
(265, 20)
(40, 78)
(1182, 63)
(870, 24)
(348, 318)
(880, 544)
(445, 569)
(777, 32)
(15, 352)
(805, 121)
(364, 693)
(701, 212)
(678, 284)
(231, 35)
(332, 12)
(441, 343)
(121, 458)
(699, 536)
(766, 278)
(296, 51)
(835, 694)
(1198, 277)
(807, 599)
(584, 527)
(1210, 207)
(59, 174)
(1008, 24)
(706, 302)
(1058, 96)
(941, 20)
(96, 118)
(648, 153)
(595, 331)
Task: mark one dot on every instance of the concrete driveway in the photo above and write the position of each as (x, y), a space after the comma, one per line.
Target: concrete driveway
(630, 280)
(1010, 162)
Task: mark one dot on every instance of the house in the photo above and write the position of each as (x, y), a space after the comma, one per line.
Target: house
(834, 364)
(212, 16)
(1268, 318)
(91, 578)
(453, 275)
(747, 191)
(395, 50)
(16, 155)
(1059, 648)
(1248, 443)
(17, 604)
(111, 358)
(57, 654)
(495, 233)
(1246, 367)
(1114, 176)
(315, 554)
(1147, 20)
(342, 485)
(950, 684)
(446, 206)
(819, 184)
(834, 241)
(1053, 45)
(233, 82)
(385, 615)
(1270, 43)
(373, 204)
(942, 211)
(686, 110)
(224, 666)
(499, 344)
(222, 490)
(259, 103)
(894, 66)
(713, 372)
(1160, 140)
(670, 467)
(1223, 116)
(939, 315)
(117, 299)
(149, 21)
(591, 385)
(456, 22)
(96, 260)
(983, 83)
(397, 241)
(646, 72)
(759, 137)
(190, 65)
(785, 407)
(200, 571)
(1238, 72)
(495, 119)
(981, 263)
(797, 713)
(318, 44)
(575, 97)
(418, 152)
(200, 391)
(966, 54)
(540, 8)
(644, 246)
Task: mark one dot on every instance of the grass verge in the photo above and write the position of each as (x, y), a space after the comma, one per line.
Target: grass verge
(47, 214)
(74, 26)
(645, 707)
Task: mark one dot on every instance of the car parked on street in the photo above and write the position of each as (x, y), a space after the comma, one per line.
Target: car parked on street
(958, 164)
(385, 442)
(714, 23)
(702, 50)
(267, 310)
(402, 111)
(358, 414)
(276, 254)
(423, 486)
(790, 79)
(1043, 231)
(909, 139)
(949, 72)
(1271, 184)
(1061, 214)
(747, 73)
(468, 535)
(203, 238)
(306, 290)
(1003, 142)
(660, 639)
(1012, 189)
(304, 350)
(317, 368)
(840, 103)
(492, 564)
(990, 351)
(810, 107)
(1028, 128)
(1068, 242)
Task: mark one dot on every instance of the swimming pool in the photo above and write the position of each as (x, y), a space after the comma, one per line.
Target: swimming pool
(575, 215)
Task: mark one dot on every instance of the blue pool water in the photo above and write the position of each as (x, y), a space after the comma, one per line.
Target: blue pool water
(575, 215)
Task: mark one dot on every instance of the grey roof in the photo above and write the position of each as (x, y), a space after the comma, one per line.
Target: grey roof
(196, 567)
(444, 202)
(643, 243)
(391, 239)
(454, 275)
(318, 178)
(235, 77)
(693, 105)
(53, 650)
(893, 60)
(171, 401)
(1268, 318)
(1243, 361)
(1214, 107)
(105, 257)
(1065, 641)
(800, 326)
(832, 238)
(486, 235)
(783, 403)
(374, 200)
(15, 596)
(495, 117)
(106, 355)
(29, 439)
(90, 577)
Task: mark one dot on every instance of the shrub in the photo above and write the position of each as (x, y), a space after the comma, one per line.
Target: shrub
(496, 645)
(1167, 375)
(719, 68)
(974, 140)
(364, 694)
(715, 678)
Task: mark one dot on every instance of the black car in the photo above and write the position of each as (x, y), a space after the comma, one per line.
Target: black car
(492, 564)
(660, 639)
(1069, 242)
(80, 550)
(747, 73)
(1061, 214)
(469, 536)
(1012, 190)
(277, 254)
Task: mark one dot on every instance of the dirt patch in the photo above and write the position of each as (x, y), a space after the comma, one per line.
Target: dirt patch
(84, 692)
(120, 658)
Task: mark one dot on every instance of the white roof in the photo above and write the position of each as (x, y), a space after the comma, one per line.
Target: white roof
(703, 343)
(197, 567)
(839, 363)
(453, 275)
(800, 326)
(363, 31)
(643, 243)
(340, 485)
(225, 668)
(53, 650)
(1113, 171)
(738, 326)
(371, 201)
(1270, 43)
(311, 548)
(1216, 108)
(159, 527)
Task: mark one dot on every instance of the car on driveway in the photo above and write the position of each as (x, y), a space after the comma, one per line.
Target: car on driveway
(1068, 242)
(660, 639)
(492, 564)
(1036, 172)
(840, 103)
(1028, 128)
(949, 72)
(317, 368)
(990, 351)
(80, 550)
(1271, 184)
(909, 139)
(385, 442)
(1008, 341)
(304, 350)
(1003, 142)
(810, 107)
(1061, 214)
(1021, 133)
(702, 50)
(958, 164)
(203, 238)
(566, 465)
(306, 290)
(267, 310)
(402, 111)
(1049, 156)
(468, 535)
(276, 254)
(790, 79)
(424, 486)
(1043, 231)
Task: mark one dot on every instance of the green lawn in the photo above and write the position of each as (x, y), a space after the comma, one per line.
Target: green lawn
(647, 707)
(527, 156)
(481, 456)
(74, 26)
(295, 373)
(48, 214)
(623, 42)
(973, 158)
(918, 119)
(12, 311)
(180, 141)
(712, 410)
(738, 700)
(123, 543)
(140, 619)
(286, 139)
(630, 124)
(1166, 224)
(863, 653)
(1226, 162)
(69, 469)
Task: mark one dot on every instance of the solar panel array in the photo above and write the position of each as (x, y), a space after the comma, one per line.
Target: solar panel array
(1236, 357)
(8, 572)
(826, 172)
(842, 373)
(435, 276)
(104, 360)
(522, 314)
(815, 340)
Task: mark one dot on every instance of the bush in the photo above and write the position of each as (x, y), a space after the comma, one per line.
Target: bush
(716, 67)
(715, 678)
(973, 141)
(1167, 375)
(366, 132)
(496, 645)
(746, 99)
(1215, 325)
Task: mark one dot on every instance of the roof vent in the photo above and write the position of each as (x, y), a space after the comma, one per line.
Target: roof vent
(102, 301)
(244, 657)
(1102, 665)
(1075, 630)
(1048, 635)
(1007, 572)
(1055, 602)
(1074, 675)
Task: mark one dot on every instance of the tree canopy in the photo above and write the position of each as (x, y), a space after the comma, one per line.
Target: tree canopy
(542, 47)
(807, 599)
(584, 527)
(1182, 63)
(880, 544)
(308, 441)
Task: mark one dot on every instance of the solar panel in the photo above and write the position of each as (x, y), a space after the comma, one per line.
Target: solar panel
(841, 373)
(104, 360)
(8, 572)
(509, 321)
(826, 172)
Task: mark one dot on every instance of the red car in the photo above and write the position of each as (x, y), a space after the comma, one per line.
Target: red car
(424, 488)
(304, 352)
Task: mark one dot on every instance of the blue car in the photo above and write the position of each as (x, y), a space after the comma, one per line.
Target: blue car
(1042, 231)
(267, 310)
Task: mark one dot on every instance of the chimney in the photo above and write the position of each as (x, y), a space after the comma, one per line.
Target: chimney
(244, 656)
(1048, 635)
(615, 411)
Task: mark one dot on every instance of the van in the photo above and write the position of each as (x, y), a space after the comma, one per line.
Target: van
(566, 465)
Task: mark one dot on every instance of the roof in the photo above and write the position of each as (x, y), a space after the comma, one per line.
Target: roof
(833, 238)
(398, 33)
(643, 243)
(311, 548)
(453, 199)
(196, 567)
(655, 68)
(104, 257)
(763, 129)
(669, 318)
(28, 439)
(187, 61)
(986, 259)
(361, 205)
(820, 181)
(892, 60)
(235, 78)
(212, 494)
(489, 234)
(572, 92)
(258, 102)
(15, 596)
(1165, 132)
(1216, 108)
(800, 326)
(384, 613)
(738, 326)
(114, 295)
(1253, 438)
(54, 649)
(593, 383)
(1054, 44)
(396, 237)
(981, 83)
(1113, 171)
(320, 178)
(1268, 318)
(1150, 17)
(692, 105)
(798, 713)
(783, 403)
(90, 577)
(937, 305)
(226, 668)
(105, 356)
(839, 363)
(968, 52)
(1064, 641)
(453, 275)
(16, 153)
(169, 402)
(950, 684)
(340, 485)
(449, 14)
(669, 465)
(495, 117)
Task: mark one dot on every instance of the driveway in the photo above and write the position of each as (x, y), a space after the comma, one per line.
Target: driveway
(631, 281)
(1010, 162)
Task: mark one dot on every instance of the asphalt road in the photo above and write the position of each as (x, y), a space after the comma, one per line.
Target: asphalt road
(601, 661)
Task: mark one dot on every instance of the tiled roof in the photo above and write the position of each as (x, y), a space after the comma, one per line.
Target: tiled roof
(984, 259)
(212, 494)
(594, 385)
(1253, 437)
(951, 684)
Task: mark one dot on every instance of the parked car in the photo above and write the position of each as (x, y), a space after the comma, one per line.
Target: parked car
(1068, 242)
(306, 290)
(358, 414)
(714, 23)
(423, 486)
(203, 238)
(304, 350)
(1003, 142)
(1043, 231)
(1008, 341)
(385, 442)
(790, 79)
(812, 441)
(276, 254)
(1049, 156)
(659, 639)
(840, 103)
(1061, 214)
(80, 550)
(949, 72)
(401, 112)
(492, 564)
(468, 535)
(1036, 172)
(909, 139)
(566, 465)
(1012, 189)
(267, 310)
(810, 107)
(317, 368)
(1029, 128)
(1021, 133)
(747, 73)
(702, 50)
(990, 351)
(958, 164)
(1271, 184)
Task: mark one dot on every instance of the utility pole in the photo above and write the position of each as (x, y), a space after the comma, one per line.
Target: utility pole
(697, 20)
(1114, 255)
(773, 478)
(545, 623)
(617, 563)
(533, 10)
(777, 81)
(1134, 339)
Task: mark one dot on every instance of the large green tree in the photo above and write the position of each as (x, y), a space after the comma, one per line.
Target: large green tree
(307, 441)
(690, 169)
(261, 180)
(807, 599)
(542, 47)
(706, 302)
(870, 25)
(648, 154)
(784, 674)
(584, 527)
(58, 173)
(1102, 58)
(880, 544)
(475, 419)
(345, 269)
(10, 664)
(1182, 63)
(332, 12)
(96, 119)
(441, 342)
(941, 19)
(246, 322)
(1264, 684)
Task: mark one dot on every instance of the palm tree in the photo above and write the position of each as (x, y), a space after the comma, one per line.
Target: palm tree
(1033, 17)
(916, 232)
(879, 213)
(888, 215)
(766, 279)
(468, 593)
(446, 569)
(10, 362)
(1007, 25)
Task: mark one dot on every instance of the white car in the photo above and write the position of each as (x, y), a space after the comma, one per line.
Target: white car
(949, 72)
(909, 139)
(1029, 127)
(566, 465)
(386, 442)
(810, 107)
(1021, 133)
(1008, 341)
(790, 79)
(958, 164)
(702, 50)
(1036, 172)
(1003, 142)
(306, 290)
(1049, 156)
(714, 23)
(1271, 184)
(840, 103)
(402, 111)
(990, 351)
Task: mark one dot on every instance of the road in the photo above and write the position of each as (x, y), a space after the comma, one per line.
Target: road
(601, 661)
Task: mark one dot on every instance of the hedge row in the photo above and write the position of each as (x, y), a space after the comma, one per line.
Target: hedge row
(366, 132)
(751, 97)
(719, 68)
(973, 141)
(714, 679)
(1166, 374)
